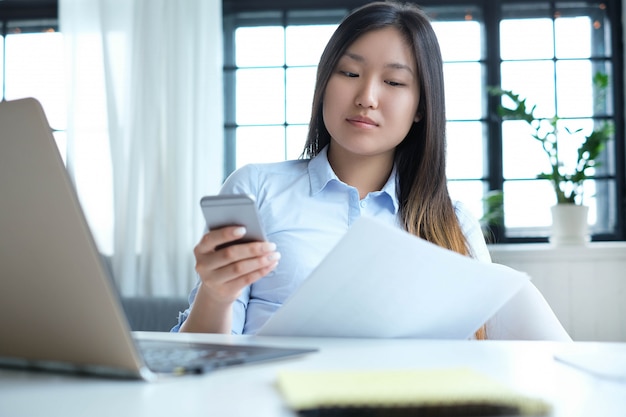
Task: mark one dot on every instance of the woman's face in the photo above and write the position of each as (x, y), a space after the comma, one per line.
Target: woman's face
(372, 96)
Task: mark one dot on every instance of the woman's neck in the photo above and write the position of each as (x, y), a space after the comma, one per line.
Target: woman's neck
(365, 173)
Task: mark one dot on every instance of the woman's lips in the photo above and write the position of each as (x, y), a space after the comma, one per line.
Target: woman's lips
(362, 121)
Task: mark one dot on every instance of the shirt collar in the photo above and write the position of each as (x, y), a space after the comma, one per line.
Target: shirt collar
(390, 189)
(321, 174)
(320, 171)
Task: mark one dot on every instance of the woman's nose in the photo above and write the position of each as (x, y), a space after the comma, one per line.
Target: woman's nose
(367, 95)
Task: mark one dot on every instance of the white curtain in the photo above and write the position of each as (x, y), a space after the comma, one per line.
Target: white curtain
(145, 132)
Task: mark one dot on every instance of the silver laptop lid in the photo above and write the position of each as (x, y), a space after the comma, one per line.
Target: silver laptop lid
(57, 302)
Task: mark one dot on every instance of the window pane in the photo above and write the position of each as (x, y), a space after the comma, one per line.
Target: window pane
(306, 43)
(260, 96)
(573, 37)
(296, 137)
(602, 206)
(464, 86)
(569, 143)
(260, 46)
(33, 69)
(526, 39)
(523, 155)
(527, 204)
(459, 41)
(465, 150)
(260, 144)
(533, 80)
(300, 86)
(469, 193)
(574, 88)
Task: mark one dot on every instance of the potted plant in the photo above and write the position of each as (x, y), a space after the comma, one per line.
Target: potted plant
(493, 216)
(567, 185)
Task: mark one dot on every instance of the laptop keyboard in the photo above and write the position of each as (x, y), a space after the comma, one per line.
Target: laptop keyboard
(183, 358)
(168, 357)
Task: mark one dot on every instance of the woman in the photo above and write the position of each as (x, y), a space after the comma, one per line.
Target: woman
(376, 147)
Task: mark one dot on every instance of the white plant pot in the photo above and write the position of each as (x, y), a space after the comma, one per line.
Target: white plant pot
(569, 225)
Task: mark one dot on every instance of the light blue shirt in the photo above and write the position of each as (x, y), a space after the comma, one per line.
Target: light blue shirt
(305, 209)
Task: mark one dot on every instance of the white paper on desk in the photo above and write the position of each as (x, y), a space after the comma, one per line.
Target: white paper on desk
(605, 360)
(381, 282)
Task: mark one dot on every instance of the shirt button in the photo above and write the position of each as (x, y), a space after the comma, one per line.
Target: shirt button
(363, 203)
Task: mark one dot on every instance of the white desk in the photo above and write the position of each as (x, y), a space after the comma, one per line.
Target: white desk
(527, 367)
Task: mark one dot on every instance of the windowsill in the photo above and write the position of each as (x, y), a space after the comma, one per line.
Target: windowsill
(546, 251)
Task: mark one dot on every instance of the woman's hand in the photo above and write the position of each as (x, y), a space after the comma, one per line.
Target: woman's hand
(224, 273)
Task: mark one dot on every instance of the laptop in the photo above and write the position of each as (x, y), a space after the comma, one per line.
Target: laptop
(59, 308)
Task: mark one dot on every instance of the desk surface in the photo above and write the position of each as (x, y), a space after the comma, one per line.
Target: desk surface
(528, 367)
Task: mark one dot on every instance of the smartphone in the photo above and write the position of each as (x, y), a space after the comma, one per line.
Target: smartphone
(233, 210)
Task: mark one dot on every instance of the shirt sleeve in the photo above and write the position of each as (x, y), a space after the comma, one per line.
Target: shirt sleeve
(473, 233)
(526, 316)
(182, 315)
(239, 311)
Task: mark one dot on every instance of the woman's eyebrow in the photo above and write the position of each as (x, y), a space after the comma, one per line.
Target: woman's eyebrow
(398, 65)
(393, 65)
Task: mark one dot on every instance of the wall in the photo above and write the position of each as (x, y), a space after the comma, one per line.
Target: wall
(584, 285)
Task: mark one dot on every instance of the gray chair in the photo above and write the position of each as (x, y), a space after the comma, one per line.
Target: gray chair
(158, 314)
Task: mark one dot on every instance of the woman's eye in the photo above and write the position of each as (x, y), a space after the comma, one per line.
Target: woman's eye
(394, 83)
(349, 74)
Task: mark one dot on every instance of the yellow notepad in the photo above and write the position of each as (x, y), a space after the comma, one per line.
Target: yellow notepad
(313, 390)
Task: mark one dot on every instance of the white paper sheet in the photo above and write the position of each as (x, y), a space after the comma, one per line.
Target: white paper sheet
(605, 360)
(381, 282)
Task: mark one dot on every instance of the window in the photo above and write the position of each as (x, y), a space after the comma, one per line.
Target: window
(30, 47)
(271, 62)
(567, 44)
(545, 50)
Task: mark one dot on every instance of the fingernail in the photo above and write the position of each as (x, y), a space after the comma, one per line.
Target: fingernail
(274, 256)
(269, 246)
(240, 231)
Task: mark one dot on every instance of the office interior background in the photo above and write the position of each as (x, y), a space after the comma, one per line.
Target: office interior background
(153, 103)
